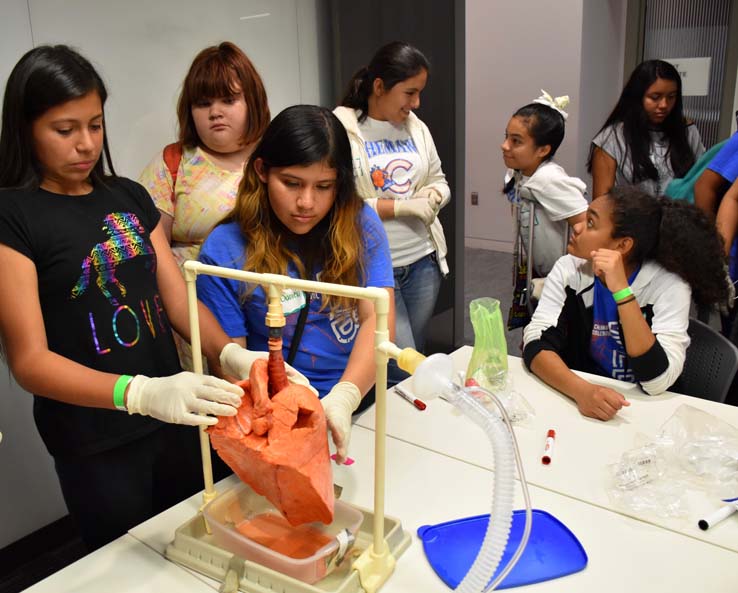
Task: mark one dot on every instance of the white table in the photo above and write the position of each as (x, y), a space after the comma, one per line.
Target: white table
(438, 469)
(123, 566)
(424, 487)
(583, 446)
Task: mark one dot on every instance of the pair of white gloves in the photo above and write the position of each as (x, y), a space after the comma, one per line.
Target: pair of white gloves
(192, 399)
(424, 206)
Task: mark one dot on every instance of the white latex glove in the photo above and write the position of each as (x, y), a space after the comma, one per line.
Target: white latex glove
(421, 208)
(236, 362)
(434, 198)
(182, 398)
(338, 405)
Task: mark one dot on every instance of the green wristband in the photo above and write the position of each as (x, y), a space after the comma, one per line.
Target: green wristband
(119, 392)
(622, 294)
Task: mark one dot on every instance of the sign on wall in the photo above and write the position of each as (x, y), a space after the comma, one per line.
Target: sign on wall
(695, 73)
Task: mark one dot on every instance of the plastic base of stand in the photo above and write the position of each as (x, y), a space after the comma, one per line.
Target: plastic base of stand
(194, 548)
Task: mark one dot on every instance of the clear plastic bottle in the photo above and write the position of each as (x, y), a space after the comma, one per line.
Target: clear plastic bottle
(488, 364)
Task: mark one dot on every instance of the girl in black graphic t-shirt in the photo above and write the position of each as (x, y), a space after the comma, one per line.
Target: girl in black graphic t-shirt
(89, 295)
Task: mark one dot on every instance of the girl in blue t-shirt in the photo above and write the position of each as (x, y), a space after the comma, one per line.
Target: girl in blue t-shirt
(297, 213)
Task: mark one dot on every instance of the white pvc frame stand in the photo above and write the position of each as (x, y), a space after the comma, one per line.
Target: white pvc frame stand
(376, 563)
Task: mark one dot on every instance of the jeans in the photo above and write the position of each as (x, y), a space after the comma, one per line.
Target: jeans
(416, 291)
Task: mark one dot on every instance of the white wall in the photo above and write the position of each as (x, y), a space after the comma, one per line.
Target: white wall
(15, 35)
(601, 77)
(515, 49)
(143, 49)
(29, 492)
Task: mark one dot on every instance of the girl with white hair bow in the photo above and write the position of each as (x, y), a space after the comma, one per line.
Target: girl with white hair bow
(532, 137)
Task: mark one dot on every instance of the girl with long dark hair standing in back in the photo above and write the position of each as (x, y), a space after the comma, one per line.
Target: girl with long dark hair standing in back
(646, 140)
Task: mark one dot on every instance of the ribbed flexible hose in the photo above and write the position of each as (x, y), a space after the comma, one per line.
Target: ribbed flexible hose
(498, 530)
(433, 377)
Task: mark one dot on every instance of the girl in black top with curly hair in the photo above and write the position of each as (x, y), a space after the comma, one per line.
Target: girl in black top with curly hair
(618, 303)
(645, 141)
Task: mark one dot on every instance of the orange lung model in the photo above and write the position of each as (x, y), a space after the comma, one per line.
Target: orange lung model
(278, 445)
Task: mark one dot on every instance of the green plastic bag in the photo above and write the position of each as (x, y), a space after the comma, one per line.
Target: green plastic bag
(488, 364)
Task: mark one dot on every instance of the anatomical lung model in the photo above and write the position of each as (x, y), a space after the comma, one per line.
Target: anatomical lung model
(278, 445)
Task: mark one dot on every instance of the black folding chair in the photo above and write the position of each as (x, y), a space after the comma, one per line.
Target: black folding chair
(711, 364)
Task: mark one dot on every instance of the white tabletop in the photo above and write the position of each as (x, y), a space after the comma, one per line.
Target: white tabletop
(123, 566)
(425, 488)
(583, 447)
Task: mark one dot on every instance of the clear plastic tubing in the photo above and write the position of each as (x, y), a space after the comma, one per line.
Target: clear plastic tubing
(432, 378)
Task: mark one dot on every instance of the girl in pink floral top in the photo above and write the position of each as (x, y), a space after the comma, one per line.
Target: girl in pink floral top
(222, 113)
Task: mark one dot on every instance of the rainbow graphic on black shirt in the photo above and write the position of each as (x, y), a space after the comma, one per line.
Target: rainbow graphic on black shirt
(124, 243)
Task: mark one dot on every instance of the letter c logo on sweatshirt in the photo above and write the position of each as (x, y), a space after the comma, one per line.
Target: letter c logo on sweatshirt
(383, 179)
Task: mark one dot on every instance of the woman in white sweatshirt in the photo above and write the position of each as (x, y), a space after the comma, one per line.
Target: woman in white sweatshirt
(398, 173)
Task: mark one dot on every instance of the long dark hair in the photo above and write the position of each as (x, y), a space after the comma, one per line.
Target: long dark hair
(44, 77)
(629, 111)
(303, 135)
(546, 127)
(677, 235)
(393, 63)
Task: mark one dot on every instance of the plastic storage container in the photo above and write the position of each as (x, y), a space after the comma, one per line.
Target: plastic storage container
(242, 506)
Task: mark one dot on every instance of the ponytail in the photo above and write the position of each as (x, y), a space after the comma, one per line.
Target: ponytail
(393, 63)
(358, 92)
(677, 235)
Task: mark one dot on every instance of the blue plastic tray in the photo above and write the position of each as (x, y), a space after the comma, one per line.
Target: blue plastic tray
(552, 551)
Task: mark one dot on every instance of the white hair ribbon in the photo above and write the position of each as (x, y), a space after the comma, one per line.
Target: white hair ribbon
(559, 103)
